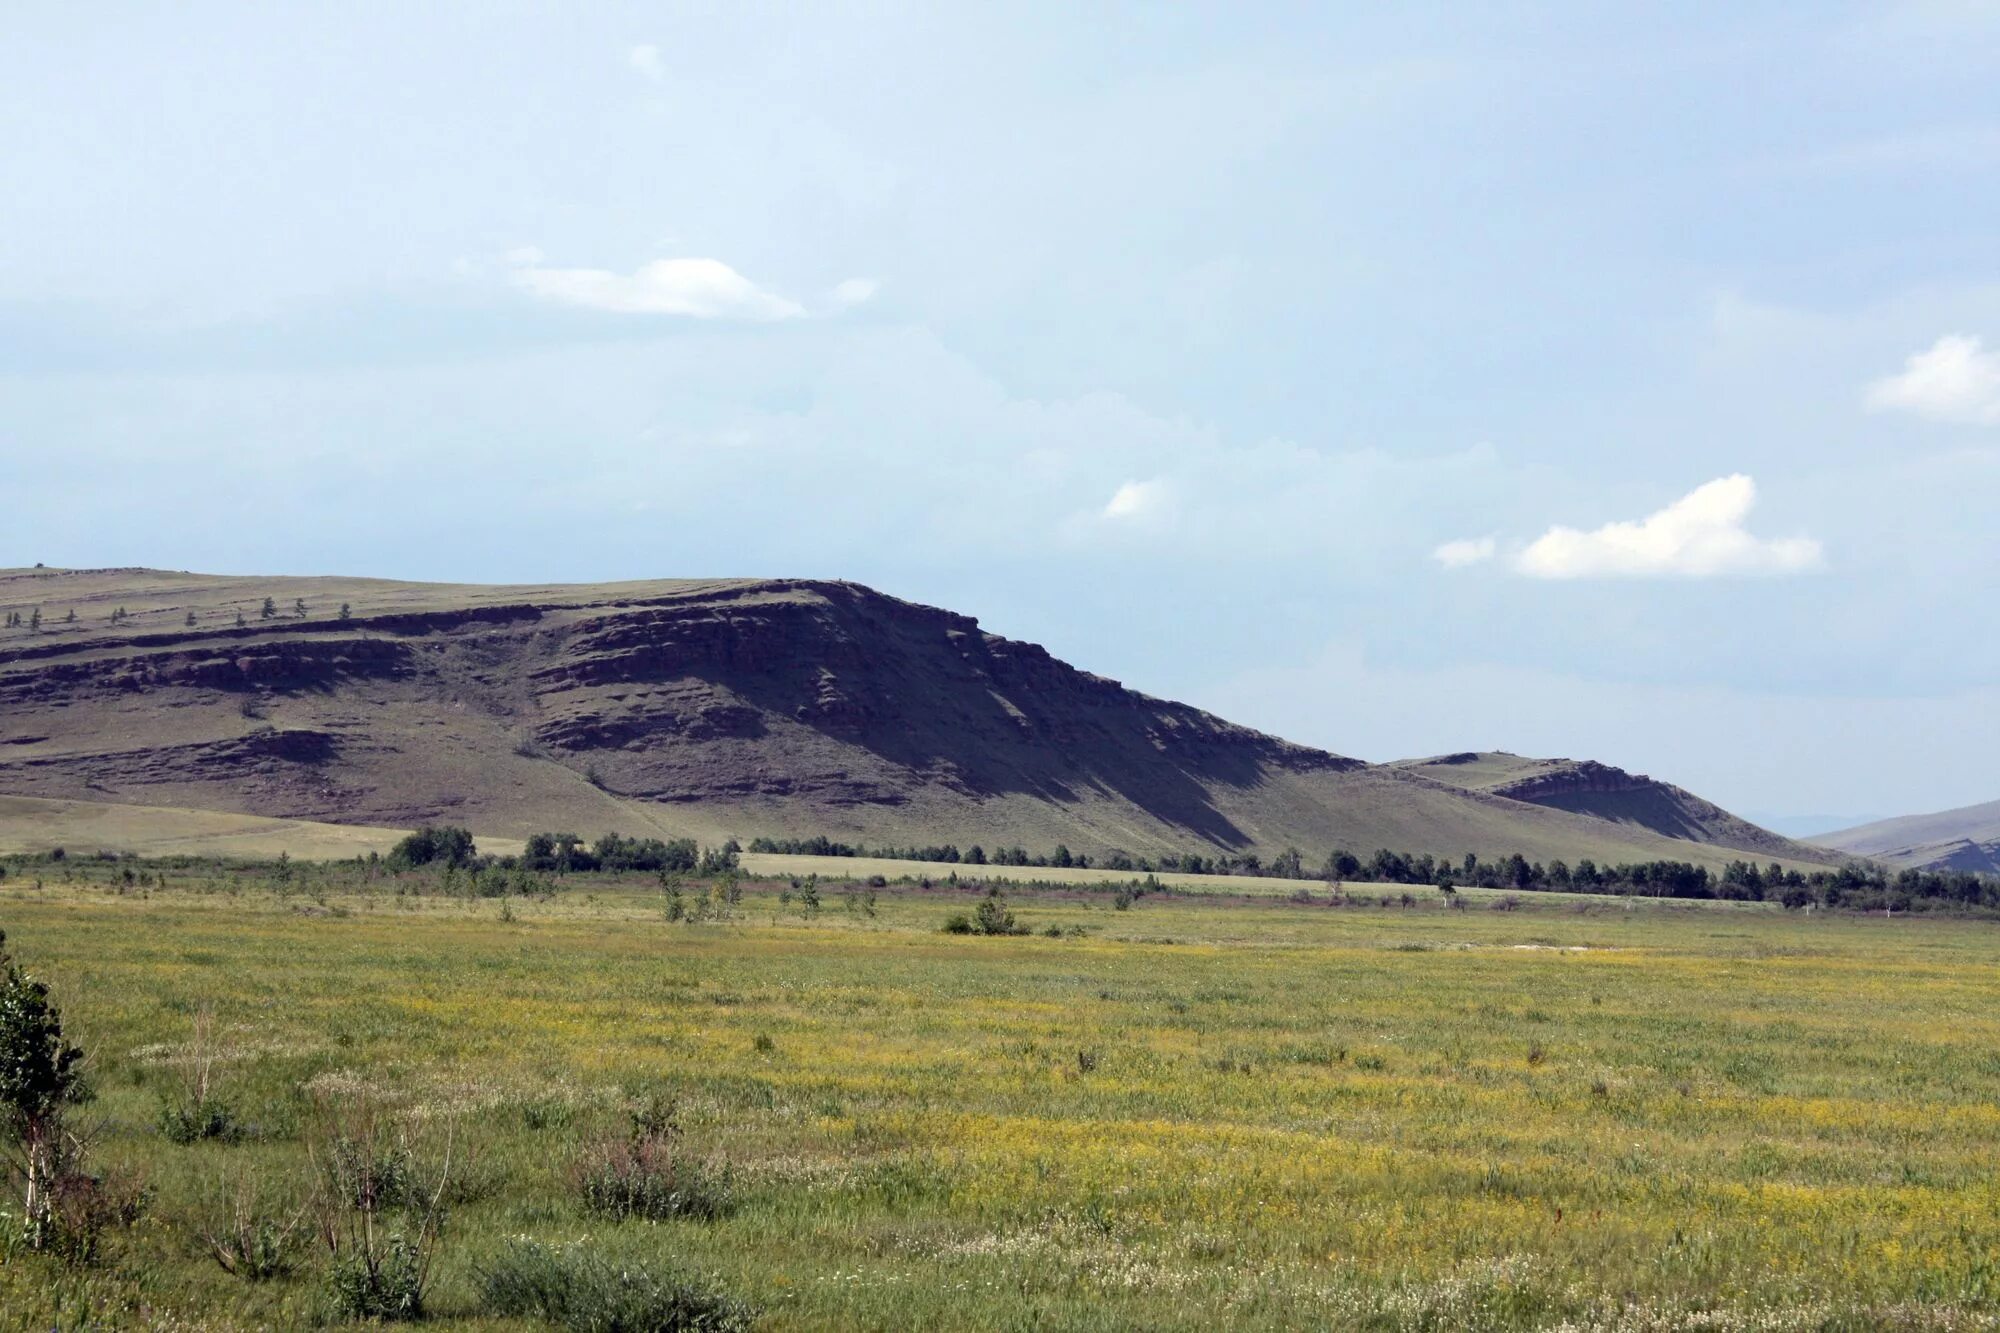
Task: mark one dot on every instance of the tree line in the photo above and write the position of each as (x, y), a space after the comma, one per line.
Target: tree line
(1856, 885)
(451, 847)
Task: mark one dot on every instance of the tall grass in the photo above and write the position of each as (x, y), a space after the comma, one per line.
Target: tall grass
(1194, 1114)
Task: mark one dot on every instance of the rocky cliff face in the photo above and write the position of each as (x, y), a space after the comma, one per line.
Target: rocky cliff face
(819, 694)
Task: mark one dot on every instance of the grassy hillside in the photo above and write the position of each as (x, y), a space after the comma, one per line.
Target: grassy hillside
(1964, 839)
(1190, 1115)
(709, 708)
(1631, 800)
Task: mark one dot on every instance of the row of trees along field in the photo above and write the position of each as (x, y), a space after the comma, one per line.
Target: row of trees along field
(1856, 885)
(566, 853)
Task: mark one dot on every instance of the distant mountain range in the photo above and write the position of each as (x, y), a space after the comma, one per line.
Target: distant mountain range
(1964, 839)
(717, 708)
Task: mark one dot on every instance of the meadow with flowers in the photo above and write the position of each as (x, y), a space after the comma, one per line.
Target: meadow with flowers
(1194, 1111)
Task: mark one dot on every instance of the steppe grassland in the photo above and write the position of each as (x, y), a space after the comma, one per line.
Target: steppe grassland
(1202, 1111)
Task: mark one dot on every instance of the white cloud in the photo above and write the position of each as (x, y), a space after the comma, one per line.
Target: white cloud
(525, 254)
(1140, 501)
(855, 291)
(1956, 380)
(646, 59)
(1699, 535)
(1459, 554)
(698, 288)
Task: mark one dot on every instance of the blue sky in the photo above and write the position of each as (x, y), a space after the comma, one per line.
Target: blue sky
(1619, 381)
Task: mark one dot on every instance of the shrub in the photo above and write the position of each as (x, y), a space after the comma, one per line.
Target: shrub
(381, 1215)
(958, 923)
(992, 916)
(196, 1122)
(385, 1280)
(576, 1288)
(645, 1174)
(248, 1241)
(199, 1114)
(83, 1207)
(41, 1078)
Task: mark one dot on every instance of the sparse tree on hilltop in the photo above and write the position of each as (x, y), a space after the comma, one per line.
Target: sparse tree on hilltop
(190, 620)
(299, 607)
(269, 609)
(346, 612)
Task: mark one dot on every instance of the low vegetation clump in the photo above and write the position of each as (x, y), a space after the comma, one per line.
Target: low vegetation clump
(991, 917)
(251, 1238)
(381, 1207)
(647, 1173)
(578, 1288)
(197, 1111)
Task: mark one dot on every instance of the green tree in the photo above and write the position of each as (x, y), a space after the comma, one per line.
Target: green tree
(190, 620)
(299, 607)
(444, 844)
(269, 609)
(41, 1078)
(346, 612)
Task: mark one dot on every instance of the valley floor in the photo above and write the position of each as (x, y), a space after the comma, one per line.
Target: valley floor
(1195, 1113)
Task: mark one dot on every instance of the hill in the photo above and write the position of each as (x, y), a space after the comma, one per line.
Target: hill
(1964, 839)
(702, 707)
(1586, 787)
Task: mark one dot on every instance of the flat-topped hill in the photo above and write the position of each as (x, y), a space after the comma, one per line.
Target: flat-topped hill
(709, 707)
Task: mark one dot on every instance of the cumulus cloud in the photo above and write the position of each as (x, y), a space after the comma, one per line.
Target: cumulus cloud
(1955, 380)
(698, 288)
(646, 59)
(1699, 535)
(1459, 554)
(1140, 501)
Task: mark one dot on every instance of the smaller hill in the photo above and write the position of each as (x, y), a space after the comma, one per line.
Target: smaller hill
(1587, 787)
(1967, 838)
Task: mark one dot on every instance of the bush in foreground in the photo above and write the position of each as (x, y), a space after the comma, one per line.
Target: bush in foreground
(576, 1288)
(41, 1079)
(646, 1174)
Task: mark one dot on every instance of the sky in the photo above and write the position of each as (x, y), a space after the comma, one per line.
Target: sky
(1612, 381)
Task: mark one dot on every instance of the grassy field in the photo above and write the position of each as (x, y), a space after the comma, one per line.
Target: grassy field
(1200, 1112)
(35, 824)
